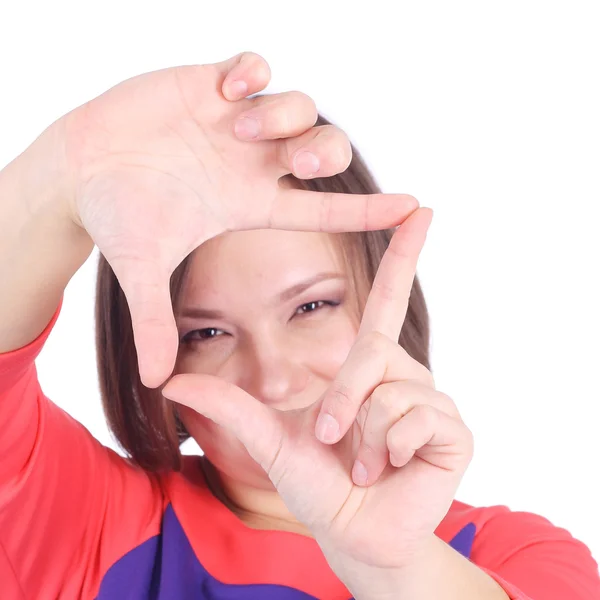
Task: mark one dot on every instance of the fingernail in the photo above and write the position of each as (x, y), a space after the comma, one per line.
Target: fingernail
(327, 429)
(359, 473)
(237, 89)
(247, 128)
(306, 164)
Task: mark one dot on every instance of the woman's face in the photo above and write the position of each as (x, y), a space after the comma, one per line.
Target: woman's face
(272, 312)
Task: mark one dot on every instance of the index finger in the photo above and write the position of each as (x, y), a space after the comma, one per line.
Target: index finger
(388, 299)
(334, 212)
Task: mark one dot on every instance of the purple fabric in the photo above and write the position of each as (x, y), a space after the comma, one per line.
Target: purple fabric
(166, 568)
(463, 541)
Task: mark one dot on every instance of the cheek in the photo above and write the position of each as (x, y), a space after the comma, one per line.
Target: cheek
(207, 360)
(333, 347)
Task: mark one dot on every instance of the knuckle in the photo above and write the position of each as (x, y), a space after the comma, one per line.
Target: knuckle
(328, 131)
(469, 440)
(385, 290)
(428, 414)
(248, 58)
(341, 396)
(345, 151)
(447, 404)
(367, 451)
(277, 118)
(284, 113)
(305, 102)
(387, 399)
(327, 201)
(374, 342)
(425, 375)
(339, 150)
(394, 444)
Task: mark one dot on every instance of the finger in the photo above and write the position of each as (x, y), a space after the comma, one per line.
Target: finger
(373, 360)
(244, 74)
(155, 335)
(433, 436)
(255, 425)
(303, 210)
(275, 116)
(319, 152)
(387, 303)
(389, 403)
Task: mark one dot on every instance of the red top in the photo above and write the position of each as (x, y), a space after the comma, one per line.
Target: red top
(79, 521)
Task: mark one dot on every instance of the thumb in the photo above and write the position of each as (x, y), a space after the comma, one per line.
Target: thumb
(154, 329)
(255, 425)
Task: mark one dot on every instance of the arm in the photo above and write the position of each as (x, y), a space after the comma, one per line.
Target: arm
(444, 574)
(515, 555)
(541, 560)
(62, 495)
(440, 573)
(41, 248)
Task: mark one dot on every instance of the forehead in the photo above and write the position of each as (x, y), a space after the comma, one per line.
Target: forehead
(265, 260)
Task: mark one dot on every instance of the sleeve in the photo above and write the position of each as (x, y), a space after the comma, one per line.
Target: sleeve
(531, 559)
(69, 507)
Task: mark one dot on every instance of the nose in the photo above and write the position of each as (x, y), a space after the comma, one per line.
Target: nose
(273, 371)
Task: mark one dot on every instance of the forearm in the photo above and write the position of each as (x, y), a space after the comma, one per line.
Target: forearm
(440, 574)
(41, 247)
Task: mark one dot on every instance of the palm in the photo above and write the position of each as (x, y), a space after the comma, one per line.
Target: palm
(315, 483)
(158, 178)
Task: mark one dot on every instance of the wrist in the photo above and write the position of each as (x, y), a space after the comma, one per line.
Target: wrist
(41, 248)
(43, 182)
(368, 582)
(436, 573)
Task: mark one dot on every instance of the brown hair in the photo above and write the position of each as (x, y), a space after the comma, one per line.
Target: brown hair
(143, 422)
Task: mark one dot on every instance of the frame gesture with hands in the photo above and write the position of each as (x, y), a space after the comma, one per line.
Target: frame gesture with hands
(372, 467)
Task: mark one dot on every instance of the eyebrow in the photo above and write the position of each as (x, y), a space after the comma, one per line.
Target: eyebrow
(284, 296)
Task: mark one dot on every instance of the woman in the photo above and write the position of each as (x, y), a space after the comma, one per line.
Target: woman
(331, 461)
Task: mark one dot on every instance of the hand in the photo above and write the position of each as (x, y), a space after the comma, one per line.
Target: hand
(409, 437)
(156, 169)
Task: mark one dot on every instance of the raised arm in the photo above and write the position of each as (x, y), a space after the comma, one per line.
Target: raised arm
(41, 248)
(147, 171)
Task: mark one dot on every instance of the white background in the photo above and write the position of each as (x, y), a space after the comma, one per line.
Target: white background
(486, 112)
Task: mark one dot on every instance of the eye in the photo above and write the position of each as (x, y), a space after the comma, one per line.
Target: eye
(202, 335)
(310, 307)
